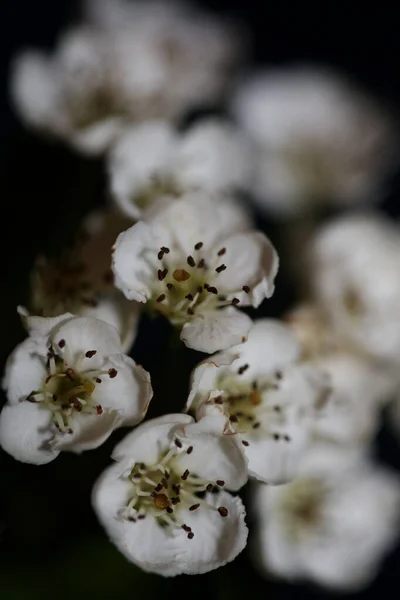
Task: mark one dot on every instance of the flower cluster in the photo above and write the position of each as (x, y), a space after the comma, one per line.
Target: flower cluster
(292, 403)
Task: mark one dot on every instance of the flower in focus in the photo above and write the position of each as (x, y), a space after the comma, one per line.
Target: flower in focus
(271, 400)
(331, 525)
(68, 387)
(320, 139)
(195, 261)
(355, 266)
(80, 281)
(153, 159)
(156, 61)
(163, 503)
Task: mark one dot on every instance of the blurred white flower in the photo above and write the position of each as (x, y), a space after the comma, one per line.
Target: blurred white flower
(320, 139)
(194, 261)
(271, 400)
(355, 266)
(68, 387)
(156, 61)
(154, 159)
(163, 504)
(333, 524)
(81, 280)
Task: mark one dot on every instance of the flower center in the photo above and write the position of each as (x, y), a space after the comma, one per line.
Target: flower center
(246, 400)
(183, 289)
(161, 185)
(67, 392)
(301, 505)
(166, 491)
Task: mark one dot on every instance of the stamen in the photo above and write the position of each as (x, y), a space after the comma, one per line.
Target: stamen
(201, 264)
(198, 246)
(209, 487)
(90, 353)
(212, 289)
(243, 368)
(246, 289)
(178, 443)
(235, 301)
(221, 252)
(220, 268)
(189, 297)
(220, 482)
(190, 535)
(185, 475)
(112, 373)
(61, 343)
(245, 443)
(162, 274)
(223, 511)
(170, 286)
(189, 450)
(194, 507)
(190, 261)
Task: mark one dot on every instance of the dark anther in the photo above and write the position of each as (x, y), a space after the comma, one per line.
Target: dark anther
(220, 268)
(286, 438)
(219, 400)
(99, 409)
(190, 535)
(158, 487)
(98, 380)
(165, 249)
(246, 289)
(162, 274)
(276, 436)
(256, 425)
(245, 443)
(220, 482)
(242, 369)
(141, 517)
(221, 252)
(210, 487)
(169, 510)
(160, 298)
(190, 261)
(189, 450)
(112, 373)
(178, 443)
(278, 374)
(189, 296)
(212, 290)
(90, 353)
(185, 475)
(186, 527)
(198, 246)
(223, 511)
(235, 301)
(194, 507)
(277, 408)
(175, 500)
(200, 289)
(61, 343)
(170, 286)
(201, 264)
(190, 311)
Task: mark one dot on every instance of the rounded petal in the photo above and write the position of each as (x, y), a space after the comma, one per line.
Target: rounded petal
(25, 433)
(25, 370)
(89, 432)
(217, 452)
(132, 273)
(218, 330)
(145, 443)
(204, 376)
(86, 333)
(97, 138)
(42, 326)
(252, 261)
(129, 392)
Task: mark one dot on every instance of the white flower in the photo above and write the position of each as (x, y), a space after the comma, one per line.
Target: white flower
(193, 258)
(355, 266)
(154, 159)
(320, 139)
(81, 281)
(155, 62)
(68, 387)
(272, 401)
(163, 503)
(333, 524)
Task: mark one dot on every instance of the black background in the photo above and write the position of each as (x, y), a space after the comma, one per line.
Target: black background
(50, 543)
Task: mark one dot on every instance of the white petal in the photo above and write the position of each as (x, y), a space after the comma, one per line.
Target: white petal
(97, 138)
(25, 432)
(115, 309)
(217, 330)
(86, 333)
(41, 326)
(217, 453)
(132, 273)
(205, 375)
(145, 443)
(213, 155)
(251, 261)
(25, 371)
(35, 90)
(89, 432)
(129, 392)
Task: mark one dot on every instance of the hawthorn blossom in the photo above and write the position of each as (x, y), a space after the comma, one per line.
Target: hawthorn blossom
(154, 159)
(68, 387)
(80, 281)
(320, 139)
(333, 524)
(355, 266)
(163, 503)
(271, 400)
(157, 61)
(195, 261)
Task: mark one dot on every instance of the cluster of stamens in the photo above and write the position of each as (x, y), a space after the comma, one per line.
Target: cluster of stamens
(66, 391)
(164, 491)
(246, 403)
(183, 288)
